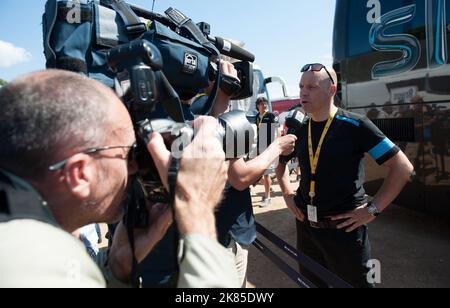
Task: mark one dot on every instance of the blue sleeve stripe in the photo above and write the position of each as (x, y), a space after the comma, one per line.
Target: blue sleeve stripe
(354, 122)
(381, 149)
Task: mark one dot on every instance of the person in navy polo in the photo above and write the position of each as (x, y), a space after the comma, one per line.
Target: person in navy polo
(331, 206)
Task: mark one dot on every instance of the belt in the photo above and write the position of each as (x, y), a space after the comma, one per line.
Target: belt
(324, 224)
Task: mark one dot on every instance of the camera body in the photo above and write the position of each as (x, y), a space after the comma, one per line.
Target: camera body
(153, 75)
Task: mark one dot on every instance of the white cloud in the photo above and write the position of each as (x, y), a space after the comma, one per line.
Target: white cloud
(11, 55)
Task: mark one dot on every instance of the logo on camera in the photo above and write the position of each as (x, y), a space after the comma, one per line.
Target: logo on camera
(190, 63)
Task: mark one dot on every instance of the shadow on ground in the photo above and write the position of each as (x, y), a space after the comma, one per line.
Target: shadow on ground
(413, 248)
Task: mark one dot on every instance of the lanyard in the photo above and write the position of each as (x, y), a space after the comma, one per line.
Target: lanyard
(314, 159)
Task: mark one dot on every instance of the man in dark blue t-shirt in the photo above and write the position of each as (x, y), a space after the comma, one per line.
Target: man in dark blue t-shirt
(330, 205)
(235, 221)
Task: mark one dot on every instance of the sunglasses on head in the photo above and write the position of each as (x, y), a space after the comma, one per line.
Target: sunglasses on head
(317, 67)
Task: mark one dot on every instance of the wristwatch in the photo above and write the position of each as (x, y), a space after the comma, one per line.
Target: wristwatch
(373, 209)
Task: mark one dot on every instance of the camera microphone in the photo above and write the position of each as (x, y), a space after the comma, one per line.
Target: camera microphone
(232, 50)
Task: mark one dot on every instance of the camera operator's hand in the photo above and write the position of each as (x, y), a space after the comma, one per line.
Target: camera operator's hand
(201, 178)
(120, 257)
(222, 99)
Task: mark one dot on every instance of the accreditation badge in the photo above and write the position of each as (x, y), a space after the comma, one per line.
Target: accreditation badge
(312, 214)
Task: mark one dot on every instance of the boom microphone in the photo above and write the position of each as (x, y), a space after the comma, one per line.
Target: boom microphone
(229, 49)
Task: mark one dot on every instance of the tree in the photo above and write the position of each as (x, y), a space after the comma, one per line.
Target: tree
(2, 82)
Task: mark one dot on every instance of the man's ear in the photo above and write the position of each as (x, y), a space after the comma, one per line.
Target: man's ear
(79, 175)
(333, 90)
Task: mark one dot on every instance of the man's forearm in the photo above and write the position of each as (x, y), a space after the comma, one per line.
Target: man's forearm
(259, 165)
(194, 213)
(221, 105)
(283, 180)
(400, 172)
(243, 174)
(195, 222)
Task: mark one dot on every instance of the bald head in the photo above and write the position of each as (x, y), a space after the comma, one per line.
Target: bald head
(317, 91)
(48, 113)
(323, 79)
(323, 76)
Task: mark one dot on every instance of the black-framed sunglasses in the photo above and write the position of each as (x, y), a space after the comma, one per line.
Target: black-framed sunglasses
(131, 155)
(317, 67)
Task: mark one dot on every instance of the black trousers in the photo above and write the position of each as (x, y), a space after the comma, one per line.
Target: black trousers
(345, 254)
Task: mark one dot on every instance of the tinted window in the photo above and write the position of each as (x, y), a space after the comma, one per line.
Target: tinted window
(358, 27)
(360, 53)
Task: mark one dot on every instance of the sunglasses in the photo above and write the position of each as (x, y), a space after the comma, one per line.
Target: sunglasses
(130, 156)
(317, 67)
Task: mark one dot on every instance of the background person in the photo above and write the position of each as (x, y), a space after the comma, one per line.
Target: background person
(267, 124)
(235, 218)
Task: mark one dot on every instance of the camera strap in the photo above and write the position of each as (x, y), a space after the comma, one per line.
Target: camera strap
(184, 23)
(172, 176)
(133, 23)
(129, 222)
(136, 279)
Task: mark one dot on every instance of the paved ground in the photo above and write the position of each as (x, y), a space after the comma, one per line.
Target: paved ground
(414, 249)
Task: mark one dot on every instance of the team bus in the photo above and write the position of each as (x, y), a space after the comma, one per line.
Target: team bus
(392, 61)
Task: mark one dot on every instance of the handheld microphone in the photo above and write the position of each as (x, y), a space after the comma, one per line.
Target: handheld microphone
(294, 122)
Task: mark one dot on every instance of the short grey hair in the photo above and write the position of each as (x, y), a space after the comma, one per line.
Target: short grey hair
(46, 113)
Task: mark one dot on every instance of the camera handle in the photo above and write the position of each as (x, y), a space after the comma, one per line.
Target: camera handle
(185, 24)
(226, 47)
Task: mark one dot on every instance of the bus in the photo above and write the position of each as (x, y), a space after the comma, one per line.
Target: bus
(285, 103)
(391, 57)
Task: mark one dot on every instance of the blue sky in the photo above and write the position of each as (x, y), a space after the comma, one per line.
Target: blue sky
(283, 34)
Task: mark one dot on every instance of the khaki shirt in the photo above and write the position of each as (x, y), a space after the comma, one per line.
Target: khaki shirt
(205, 263)
(37, 255)
(34, 254)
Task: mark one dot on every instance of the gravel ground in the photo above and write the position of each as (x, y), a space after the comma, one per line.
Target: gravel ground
(414, 249)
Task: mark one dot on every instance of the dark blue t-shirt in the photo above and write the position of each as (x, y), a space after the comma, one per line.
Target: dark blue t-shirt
(340, 172)
(235, 219)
